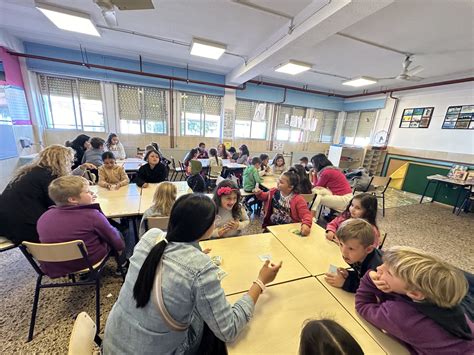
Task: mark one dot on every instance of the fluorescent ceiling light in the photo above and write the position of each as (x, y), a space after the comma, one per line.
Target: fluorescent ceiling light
(68, 20)
(362, 81)
(207, 49)
(293, 67)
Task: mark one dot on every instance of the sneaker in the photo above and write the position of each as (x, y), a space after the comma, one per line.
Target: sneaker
(125, 266)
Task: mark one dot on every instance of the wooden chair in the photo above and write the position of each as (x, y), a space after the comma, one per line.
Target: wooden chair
(83, 336)
(6, 244)
(309, 198)
(37, 253)
(157, 222)
(378, 187)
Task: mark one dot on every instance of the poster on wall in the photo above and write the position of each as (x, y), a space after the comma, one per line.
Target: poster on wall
(459, 117)
(228, 127)
(419, 117)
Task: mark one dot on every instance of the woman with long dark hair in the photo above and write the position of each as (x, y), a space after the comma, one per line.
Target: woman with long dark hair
(80, 144)
(330, 185)
(172, 301)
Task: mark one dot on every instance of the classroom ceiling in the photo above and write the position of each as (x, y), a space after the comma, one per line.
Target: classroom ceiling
(340, 37)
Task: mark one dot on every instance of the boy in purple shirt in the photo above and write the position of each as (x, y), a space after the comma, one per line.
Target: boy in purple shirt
(76, 216)
(416, 298)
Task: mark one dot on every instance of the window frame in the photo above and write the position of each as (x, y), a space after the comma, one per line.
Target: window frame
(268, 118)
(140, 91)
(355, 137)
(182, 120)
(77, 109)
(290, 129)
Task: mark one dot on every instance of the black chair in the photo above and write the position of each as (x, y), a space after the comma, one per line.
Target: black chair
(37, 253)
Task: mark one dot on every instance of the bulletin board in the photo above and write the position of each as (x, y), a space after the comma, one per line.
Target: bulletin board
(419, 117)
(459, 117)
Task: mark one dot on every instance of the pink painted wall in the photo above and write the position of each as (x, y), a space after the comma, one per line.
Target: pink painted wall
(11, 66)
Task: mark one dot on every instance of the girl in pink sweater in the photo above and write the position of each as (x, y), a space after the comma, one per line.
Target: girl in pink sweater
(361, 206)
(330, 185)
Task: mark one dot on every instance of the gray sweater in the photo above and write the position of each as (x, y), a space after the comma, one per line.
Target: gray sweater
(93, 156)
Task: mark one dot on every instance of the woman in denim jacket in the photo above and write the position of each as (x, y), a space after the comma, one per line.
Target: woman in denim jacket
(191, 314)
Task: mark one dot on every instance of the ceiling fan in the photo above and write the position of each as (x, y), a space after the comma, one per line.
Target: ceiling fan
(108, 8)
(407, 73)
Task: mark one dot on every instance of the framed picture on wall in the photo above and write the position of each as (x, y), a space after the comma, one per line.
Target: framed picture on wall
(459, 117)
(419, 117)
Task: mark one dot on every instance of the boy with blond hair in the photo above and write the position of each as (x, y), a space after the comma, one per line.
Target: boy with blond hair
(76, 217)
(416, 297)
(356, 240)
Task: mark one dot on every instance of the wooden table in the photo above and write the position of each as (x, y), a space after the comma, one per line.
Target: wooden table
(347, 300)
(270, 181)
(123, 202)
(240, 259)
(279, 315)
(148, 192)
(226, 163)
(315, 252)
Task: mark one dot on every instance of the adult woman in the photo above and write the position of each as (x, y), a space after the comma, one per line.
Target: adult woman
(222, 152)
(26, 198)
(304, 186)
(80, 144)
(244, 155)
(330, 185)
(171, 301)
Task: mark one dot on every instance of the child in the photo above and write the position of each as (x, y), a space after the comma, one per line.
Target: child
(361, 206)
(416, 298)
(233, 154)
(304, 186)
(356, 240)
(111, 175)
(152, 172)
(76, 217)
(94, 154)
(326, 337)
(215, 163)
(278, 166)
(305, 162)
(195, 180)
(244, 155)
(192, 155)
(264, 167)
(223, 153)
(231, 216)
(284, 205)
(251, 175)
(113, 145)
(163, 200)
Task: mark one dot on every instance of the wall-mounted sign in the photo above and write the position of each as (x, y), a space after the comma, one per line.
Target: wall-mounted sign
(419, 117)
(459, 117)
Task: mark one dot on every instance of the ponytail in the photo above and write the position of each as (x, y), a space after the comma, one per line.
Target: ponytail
(146, 276)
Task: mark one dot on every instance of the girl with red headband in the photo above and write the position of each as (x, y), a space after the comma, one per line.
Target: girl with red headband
(231, 217)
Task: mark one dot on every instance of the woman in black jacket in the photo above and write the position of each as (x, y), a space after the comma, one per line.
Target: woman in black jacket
(26, 198)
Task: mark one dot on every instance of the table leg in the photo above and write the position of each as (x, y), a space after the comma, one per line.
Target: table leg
(426, 188)
(435, 192)
(461, 189)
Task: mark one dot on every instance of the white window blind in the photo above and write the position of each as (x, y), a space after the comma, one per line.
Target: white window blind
(328, 126)
(142, 109)
(200, 115)
(71, 103)
(245, 125)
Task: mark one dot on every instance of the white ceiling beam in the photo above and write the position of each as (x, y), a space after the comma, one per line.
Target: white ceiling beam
(317, 22)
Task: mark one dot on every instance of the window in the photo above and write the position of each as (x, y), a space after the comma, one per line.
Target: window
(142, 109)
(288, 120)
(358, 128)
(200, 115)
(328, 126)
(72, 103)
(245, 125)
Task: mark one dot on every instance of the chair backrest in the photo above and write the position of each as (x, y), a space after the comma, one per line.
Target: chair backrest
(309, 198)
(55, 252)
(381, 182)
(140, 151)
(173, 164)
(158, 222)
(82, 336)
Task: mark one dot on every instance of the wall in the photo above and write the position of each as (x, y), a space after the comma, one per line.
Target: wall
(433, 142)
